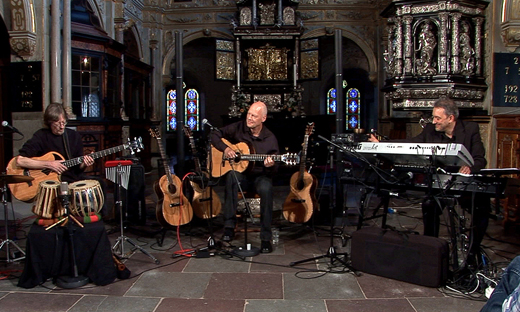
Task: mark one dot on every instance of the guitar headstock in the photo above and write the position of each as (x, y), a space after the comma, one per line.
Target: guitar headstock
(290, 159)
(309, 129)
(155, 133)
(135, 146)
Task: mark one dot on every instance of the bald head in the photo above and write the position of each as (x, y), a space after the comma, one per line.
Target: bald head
(256, 115)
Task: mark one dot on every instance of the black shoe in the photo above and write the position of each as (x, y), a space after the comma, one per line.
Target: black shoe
(266, 247)
(229, 234)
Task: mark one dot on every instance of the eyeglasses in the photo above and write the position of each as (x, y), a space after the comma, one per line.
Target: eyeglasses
(61, 123)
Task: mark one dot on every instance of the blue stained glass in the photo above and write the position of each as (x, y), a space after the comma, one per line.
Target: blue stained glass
(333, 106)
(192, 94)
(192, 108)
(172, 94)
(192, 122)
(353, 122)
(333, 93)
(353, 93)
(173, 123)
(173, 108)
(353, 106)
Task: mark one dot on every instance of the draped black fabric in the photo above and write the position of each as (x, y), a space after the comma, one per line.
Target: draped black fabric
(48, 254)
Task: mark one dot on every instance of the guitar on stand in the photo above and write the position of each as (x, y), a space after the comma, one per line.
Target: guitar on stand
(173, 208)
(206, 203)
(301, 201)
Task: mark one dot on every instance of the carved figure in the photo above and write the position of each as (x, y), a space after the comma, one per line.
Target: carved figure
(427, 44)
(266, 13)
(467, 61)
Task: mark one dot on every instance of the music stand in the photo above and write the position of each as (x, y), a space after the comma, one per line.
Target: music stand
(10, 179)
(118, 171)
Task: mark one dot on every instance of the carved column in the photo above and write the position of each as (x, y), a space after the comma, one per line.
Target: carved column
(478, 44)
(408, 44)
(55, 53)
(443, 43)
(398, 48)
(455, 64)
(120, 26)
(66, 61)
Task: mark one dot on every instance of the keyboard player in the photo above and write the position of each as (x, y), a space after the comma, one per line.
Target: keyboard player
(447, 128)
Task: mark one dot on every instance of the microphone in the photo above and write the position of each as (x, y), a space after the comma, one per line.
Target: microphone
(64, 194)
(6, 124)
(206, 122)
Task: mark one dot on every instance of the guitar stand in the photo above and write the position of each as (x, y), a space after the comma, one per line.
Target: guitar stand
(6, 242)
(247, 250)
(120, 242)
(331, 252)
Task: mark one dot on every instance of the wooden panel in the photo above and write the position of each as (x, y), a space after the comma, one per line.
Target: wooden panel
(508, 156)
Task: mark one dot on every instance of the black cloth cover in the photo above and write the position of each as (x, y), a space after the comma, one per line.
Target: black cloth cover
(48, 254)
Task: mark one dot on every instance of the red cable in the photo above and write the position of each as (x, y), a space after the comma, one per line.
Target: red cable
(182, 251)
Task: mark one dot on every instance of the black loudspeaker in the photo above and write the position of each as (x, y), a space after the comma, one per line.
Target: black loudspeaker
(134, 203)
(408, 257)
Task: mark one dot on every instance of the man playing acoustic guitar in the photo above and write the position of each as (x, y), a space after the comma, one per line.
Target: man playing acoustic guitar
(262, 141)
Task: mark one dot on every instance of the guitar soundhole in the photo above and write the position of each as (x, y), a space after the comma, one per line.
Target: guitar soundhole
(172, 189)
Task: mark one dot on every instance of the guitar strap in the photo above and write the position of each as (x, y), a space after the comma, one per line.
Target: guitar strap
(66, 143)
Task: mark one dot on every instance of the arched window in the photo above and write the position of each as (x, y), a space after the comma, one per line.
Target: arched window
(171, 110)
(191, 109)
(331, 102)
(353, 109)
(352, 105)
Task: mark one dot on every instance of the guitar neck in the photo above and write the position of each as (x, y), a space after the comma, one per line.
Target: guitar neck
(260, 157)
(78, 160)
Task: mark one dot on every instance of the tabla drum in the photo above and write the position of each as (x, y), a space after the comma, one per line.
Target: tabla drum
(87, 198)
(47, 204)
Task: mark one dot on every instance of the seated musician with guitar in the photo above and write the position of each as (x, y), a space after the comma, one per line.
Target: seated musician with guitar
(55, 138)
(447, 128)
(261, 140)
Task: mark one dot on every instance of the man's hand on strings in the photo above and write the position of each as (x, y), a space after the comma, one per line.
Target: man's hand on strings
(87, 161)
(268, 162)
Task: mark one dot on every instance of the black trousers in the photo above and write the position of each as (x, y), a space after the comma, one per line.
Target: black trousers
(477, 204)
(263, 186)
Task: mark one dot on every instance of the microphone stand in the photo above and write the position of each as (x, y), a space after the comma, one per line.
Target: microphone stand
(75, 280)
(331, 252)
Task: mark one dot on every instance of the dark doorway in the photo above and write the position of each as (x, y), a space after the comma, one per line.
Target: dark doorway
(6, 142)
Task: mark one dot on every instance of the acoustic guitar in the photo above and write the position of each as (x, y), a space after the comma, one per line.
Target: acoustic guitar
(244, 160)
(301, 201)
(27, 191)
(205, 203)
(173, 208)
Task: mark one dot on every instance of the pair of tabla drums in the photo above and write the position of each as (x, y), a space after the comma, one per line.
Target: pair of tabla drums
(86, 198)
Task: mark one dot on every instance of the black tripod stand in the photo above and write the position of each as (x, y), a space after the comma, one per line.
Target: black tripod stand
(246, 250)
(331, 252)
(7, 179)
(74, 280)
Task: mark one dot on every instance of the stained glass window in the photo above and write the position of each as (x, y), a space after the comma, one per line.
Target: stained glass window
(331, 102)
(353, 107)
(191, 110)
(171, 110)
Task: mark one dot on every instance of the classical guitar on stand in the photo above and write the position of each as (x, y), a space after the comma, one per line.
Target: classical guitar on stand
(173, 208)
(301, 202)
(244, 160)
(27, 191)
(206, 203)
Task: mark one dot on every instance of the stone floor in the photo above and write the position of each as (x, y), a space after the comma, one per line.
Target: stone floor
(266, 282)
